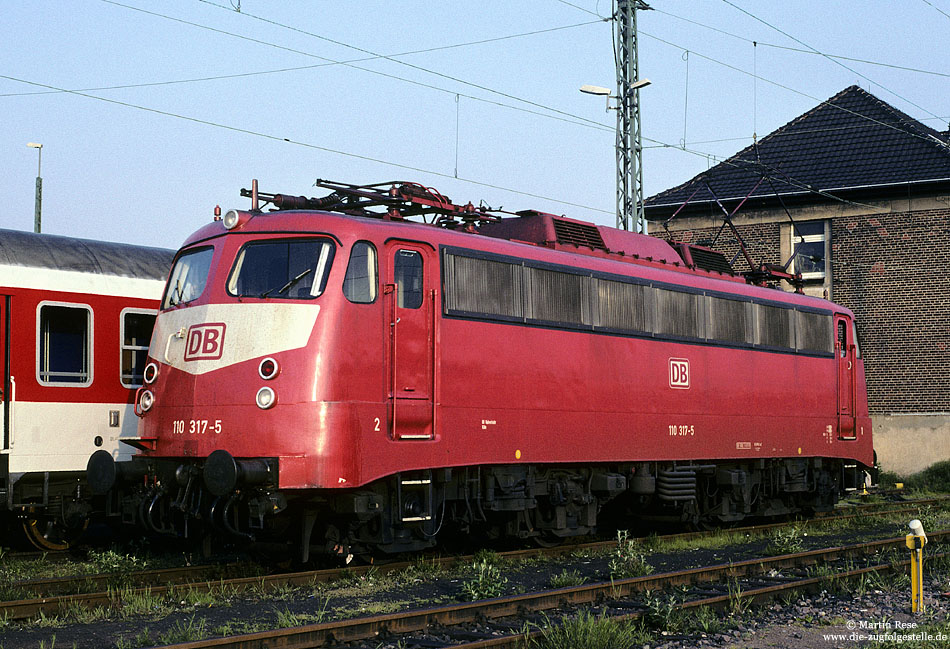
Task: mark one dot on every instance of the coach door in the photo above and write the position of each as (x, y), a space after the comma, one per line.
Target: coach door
(845, 356)
(6, 385)
(410, 309)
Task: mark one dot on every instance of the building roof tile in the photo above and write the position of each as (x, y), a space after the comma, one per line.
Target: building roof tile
(851, 141)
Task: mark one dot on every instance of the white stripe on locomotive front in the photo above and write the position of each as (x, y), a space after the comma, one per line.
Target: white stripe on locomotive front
(252, 330)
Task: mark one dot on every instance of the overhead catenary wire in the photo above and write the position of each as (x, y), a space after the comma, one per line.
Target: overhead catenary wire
(932, 5)
(554, 113)
(835, 61)
(403, 63)
(585, 121)
(600, 126)
(299, 68)
(757, 77)
(309, 145)
(343, 44)
(789, 88)
(801, 50)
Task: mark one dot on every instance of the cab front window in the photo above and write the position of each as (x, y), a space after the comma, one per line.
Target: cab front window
(294, 269)
(188, 277)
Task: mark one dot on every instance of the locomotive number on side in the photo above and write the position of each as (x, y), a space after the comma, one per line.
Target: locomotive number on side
(682, 431)
(196, 426)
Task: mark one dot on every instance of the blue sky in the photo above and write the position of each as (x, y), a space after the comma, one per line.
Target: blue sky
(147, 164)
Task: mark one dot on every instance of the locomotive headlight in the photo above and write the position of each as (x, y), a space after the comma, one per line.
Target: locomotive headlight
(150, 373)
(268, 369)
(266, 398)
(234, 218)
(146, 400)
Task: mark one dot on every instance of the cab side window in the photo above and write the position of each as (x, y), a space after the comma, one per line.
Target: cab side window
(407, 273)
(361, 280)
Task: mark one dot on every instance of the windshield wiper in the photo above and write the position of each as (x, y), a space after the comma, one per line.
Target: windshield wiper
(177, 290)
(286, 287)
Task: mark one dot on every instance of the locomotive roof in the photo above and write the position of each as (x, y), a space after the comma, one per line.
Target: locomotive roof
(28, 249)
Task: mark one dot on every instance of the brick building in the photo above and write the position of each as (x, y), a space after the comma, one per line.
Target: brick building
(868, 190)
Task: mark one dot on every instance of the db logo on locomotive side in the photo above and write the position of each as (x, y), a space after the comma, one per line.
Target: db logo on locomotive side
(679, 373)
(205, 341)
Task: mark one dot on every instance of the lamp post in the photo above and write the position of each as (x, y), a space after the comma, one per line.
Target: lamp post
(38, 212)
(629, 152)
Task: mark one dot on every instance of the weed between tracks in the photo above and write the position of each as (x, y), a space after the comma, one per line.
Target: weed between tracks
(786, 540)
(203, 614)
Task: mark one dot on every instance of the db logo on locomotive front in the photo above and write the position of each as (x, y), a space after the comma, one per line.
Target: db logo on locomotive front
(205, 341)
(679, 373)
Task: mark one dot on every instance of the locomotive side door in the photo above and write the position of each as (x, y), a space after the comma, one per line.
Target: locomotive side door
(410, 314)
(845, 353)
(6, 384)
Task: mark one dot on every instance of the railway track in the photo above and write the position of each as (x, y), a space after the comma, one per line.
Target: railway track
(52, 596)
(488, 623)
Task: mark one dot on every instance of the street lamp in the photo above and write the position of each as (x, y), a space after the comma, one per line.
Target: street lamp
(629, 151)
(37, 214)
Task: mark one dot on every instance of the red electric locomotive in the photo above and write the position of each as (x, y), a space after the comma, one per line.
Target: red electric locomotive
(337, 375)
(75, 320)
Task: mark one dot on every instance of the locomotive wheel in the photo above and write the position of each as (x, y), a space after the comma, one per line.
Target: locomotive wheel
(46, 533)
(547, 540)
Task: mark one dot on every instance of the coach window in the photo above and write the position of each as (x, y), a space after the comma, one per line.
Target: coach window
(295, 269)
(407, 274)
(136, 331)
(188, 277)
(64, 345)
(359, 284)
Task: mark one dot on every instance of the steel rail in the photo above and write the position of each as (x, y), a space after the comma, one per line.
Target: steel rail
(368, 628)
(52, 586)
(753, 596)
(48, 604)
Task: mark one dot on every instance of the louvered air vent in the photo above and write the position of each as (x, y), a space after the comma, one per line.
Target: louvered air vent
(578, 234)
(710, 260)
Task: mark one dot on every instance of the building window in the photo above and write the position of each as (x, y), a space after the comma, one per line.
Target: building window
(136, 333)
(64, 346)
(809, 246)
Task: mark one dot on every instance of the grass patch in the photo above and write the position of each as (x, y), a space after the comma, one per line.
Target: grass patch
(566, 579)
(485, 582)
(786, 540)
(933, 479)
(626, 560)
(189, 631)
(589, 631)
(287, 619)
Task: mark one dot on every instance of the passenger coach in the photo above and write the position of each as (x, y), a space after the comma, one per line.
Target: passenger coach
(75, 320)
(338, 376)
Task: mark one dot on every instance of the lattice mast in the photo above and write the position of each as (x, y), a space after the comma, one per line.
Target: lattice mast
(629, 141)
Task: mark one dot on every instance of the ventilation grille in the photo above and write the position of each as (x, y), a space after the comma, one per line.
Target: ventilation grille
(815, 332)
(578, 234)
(774, 326)
(710, 260)
(483, 286)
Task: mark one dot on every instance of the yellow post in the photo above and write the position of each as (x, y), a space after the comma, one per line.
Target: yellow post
(915, 543)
